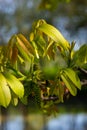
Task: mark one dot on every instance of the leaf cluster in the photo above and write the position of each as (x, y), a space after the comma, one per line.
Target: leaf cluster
(42, 69)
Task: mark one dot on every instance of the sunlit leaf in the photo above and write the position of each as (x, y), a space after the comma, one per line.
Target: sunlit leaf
(20, 59)
(24, 45)
(24, 42)
(69, 84)
(36, 49)
(31, 36)
(73, 77)
(15, 85)
(49, 50)
(53, 33)
(5, 95)
(21, 44)
(23, 53)
(80, 56)
(41, 44)
(38, 43)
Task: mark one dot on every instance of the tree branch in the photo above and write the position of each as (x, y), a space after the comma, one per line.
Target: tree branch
(84, 82)
(53, 98)
(83, 70)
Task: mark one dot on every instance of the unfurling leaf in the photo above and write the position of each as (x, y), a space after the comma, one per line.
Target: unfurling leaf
(12, 51)
(19, 45)
(23, 42)
(14, 54)
(53, 33)
(24, 46)
(24, 54)
(49, 50)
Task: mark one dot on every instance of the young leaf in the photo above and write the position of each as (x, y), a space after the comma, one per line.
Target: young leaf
(73, 77)
(24, 44)
(40, 43)
(15, 46)
(61, 91)
(23, 53)
(10, 47)
(15, 85)
(36, 49)
(14, 54)
(5, 95)
(14, 99)
(53, 33)
(80, 56)
(49, 50)
(23, 40)
(69, 84)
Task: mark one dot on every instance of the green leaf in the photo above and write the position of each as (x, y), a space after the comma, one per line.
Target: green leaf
(53, 33)
(36, 49)
(61, 92)
(40, 41)
(49, 50)
(14, 99)
(23, 53)
(38, 44)
(80, 56)
(69, 84)
(5, 95)
(15, 85)
(73, 77)
(24, 100)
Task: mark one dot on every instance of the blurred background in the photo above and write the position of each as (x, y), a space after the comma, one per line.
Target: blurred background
(17, 16)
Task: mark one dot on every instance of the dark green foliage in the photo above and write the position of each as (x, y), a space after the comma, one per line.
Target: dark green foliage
(32, 94)
(51, 4)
